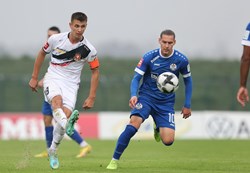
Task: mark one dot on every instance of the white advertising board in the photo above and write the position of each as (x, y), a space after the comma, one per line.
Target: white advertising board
(201, 125)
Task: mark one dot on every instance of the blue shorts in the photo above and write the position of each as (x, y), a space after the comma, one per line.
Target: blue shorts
(161, 112)
(46, 109)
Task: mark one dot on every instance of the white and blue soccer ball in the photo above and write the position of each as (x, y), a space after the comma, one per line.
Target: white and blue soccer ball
(167, 82)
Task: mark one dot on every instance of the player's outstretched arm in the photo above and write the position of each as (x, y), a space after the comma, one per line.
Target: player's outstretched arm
(186, 110)
(242, 94)
(37, 66)
(89, 102)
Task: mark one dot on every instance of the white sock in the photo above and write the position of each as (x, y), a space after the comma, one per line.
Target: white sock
(58, 135)
(83, 144)
(60, 117)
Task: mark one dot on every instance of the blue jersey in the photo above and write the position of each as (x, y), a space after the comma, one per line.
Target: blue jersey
(246, 38)
(152, 65)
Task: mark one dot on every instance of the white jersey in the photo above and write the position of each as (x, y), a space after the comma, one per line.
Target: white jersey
(67, 59)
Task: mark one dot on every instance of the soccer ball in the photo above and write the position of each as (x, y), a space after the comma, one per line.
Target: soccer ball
(167, 82)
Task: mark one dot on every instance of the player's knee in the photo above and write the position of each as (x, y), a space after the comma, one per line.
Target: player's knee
(168, 142)
(47, 121)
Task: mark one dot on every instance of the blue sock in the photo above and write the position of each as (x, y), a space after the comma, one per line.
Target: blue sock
(49, 135)
(76, 137)
(123, 141)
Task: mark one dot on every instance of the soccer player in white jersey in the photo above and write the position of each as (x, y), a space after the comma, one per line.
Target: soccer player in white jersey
(242, 95)
(146, 99)
(85, 148)
(69, 52)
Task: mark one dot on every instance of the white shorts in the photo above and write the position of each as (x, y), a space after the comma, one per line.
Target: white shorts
(68, 90)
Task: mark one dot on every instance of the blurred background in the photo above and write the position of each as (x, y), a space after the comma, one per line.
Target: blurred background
(209, 33)
(204, 29)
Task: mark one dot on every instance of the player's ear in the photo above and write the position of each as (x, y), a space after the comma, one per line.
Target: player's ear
(174, 42)
(159, 40)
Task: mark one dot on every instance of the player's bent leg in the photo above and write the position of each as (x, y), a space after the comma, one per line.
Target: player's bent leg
(84, 151)
(113, 164)
(121, 145)
(58, 135)
(85, 148)
(49, 128)
(167, 135)
(156, 133)
(48, 135)
(53, 159)
(42, 154)
(60, 117)
(72, 120)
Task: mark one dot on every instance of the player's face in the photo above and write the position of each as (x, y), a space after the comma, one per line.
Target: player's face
(167, 43)
(77, 29)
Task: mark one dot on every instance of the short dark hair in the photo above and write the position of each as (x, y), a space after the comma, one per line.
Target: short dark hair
(79, 16)
(167, 32)
(54, 28)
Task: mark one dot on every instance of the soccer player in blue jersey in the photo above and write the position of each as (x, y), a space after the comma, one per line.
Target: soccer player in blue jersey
(146, 99)
(242, 95)
(48, 116)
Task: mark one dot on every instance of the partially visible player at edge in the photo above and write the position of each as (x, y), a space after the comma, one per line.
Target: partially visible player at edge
(242, 95)
(85, 148)
(69, 52)
(150, 101)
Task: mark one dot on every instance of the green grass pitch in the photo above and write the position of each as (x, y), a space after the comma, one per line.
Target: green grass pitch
(141, 156)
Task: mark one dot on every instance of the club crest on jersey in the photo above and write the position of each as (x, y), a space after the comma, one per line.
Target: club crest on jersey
(138, 106)
(77, 57)
(154, 76)
(173, 67)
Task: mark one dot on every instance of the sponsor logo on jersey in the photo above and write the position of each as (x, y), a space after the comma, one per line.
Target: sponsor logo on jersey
(173, 67)
(46, 45)
(58, 51)
(155, 58)
(140, 62)
(138, 106)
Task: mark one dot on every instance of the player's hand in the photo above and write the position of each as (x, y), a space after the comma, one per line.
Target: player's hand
(33, 84)
(132, 102)
(242, 96)
(186, 112)
(88, 103)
